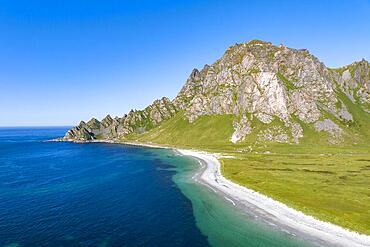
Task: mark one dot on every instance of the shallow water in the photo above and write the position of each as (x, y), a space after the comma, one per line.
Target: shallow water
(222, 223)
(67, 194)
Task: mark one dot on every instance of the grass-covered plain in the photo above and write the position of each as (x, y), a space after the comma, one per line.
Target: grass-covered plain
(334, 186)
(330, 182)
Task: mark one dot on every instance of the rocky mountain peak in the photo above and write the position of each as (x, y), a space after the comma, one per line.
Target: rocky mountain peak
(195, 74)
(257, 68)
(258, 42)
(93, 123)
(260, 80)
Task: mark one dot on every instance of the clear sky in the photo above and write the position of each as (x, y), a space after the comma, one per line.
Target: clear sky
(63, 61)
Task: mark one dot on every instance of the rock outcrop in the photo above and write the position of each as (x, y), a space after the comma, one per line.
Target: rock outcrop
(133, 122)
(258, 83)
(354, 81)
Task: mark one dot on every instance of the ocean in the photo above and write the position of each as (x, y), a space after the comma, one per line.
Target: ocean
(99, 194)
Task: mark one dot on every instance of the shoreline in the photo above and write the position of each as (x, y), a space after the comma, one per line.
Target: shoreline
(272, 212)
(253, 203)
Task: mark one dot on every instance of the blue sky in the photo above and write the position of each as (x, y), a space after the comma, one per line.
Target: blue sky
(63, 61)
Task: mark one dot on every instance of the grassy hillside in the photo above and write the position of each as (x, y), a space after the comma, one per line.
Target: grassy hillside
(207, 132)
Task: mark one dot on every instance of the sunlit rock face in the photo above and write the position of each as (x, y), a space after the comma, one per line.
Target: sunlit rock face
(267, 82)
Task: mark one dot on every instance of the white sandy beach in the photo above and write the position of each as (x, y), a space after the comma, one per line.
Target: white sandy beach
(274, 211)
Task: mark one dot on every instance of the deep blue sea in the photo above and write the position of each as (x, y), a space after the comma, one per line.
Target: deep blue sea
(68, 194)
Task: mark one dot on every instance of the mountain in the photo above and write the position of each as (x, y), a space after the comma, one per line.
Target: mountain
(255, 93)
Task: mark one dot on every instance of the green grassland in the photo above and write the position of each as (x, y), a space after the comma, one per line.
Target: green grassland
(334, 188)
(330, 182)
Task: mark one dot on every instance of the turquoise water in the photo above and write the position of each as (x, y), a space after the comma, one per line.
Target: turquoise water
(221, 222)
(67, 194)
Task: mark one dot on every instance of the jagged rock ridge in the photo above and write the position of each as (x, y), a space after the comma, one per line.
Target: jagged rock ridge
(133, 122)
(255, 82)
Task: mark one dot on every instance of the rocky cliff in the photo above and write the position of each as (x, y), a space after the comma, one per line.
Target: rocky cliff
(258, 84)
